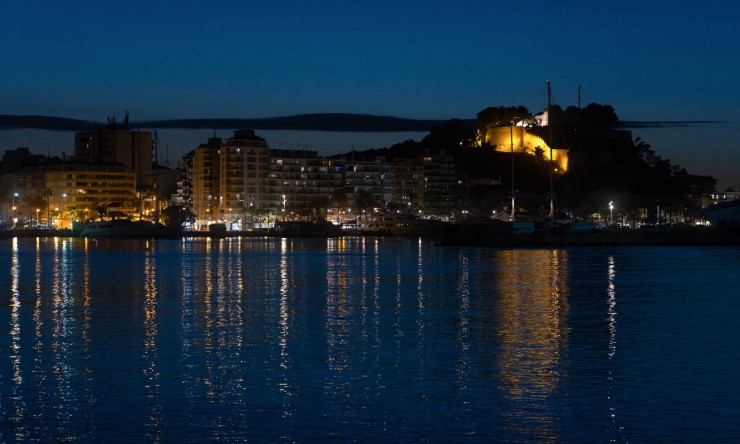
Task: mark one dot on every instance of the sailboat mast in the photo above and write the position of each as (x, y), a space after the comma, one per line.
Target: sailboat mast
(156, 168)
(549, 143)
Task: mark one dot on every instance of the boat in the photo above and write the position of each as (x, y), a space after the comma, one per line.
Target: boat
(124, 228)
(724, 213)
(318, 228)
(406, 225)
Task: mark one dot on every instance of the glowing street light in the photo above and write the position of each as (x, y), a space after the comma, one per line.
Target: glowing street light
(15, 219)
(611, 212)
(64, 206)
(284, 202)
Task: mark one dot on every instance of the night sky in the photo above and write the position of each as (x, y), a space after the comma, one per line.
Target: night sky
(650, 60)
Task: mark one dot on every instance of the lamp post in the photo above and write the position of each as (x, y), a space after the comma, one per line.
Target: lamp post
(15, 219)
(611, 212)
(64, 207)
(284, 202)
(37, 215)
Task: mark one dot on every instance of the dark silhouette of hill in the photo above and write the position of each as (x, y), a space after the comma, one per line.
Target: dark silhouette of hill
(309, 122)
(628, 124)
(45, 123)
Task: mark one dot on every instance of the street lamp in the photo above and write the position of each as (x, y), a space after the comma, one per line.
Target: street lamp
(611, 212)
(284, 201)
(64, 207)
(37, 215)
(15, 219)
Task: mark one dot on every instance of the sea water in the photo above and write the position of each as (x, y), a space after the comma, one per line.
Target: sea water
(366, 340)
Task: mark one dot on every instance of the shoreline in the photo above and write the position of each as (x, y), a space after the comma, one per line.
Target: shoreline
(465, 237)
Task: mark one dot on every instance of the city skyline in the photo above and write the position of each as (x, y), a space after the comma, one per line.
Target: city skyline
(659, 62)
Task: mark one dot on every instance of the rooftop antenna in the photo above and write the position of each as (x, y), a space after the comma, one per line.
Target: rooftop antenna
(578, 101)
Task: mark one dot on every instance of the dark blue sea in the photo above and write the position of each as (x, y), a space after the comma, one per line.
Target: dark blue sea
(366, 340)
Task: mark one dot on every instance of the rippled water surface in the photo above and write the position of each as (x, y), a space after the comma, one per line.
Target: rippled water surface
(366, 340)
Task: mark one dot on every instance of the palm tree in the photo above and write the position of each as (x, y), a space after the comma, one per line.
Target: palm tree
(34, 204)
(74, 212)
(47, 193)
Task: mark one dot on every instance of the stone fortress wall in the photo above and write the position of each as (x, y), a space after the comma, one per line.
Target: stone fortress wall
(501, 139)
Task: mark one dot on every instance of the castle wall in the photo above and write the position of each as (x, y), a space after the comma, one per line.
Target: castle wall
(501, 139)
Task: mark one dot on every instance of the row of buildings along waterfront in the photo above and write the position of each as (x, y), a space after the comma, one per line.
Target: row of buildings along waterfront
(238, 181)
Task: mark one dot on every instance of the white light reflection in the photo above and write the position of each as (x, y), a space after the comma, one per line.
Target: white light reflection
(187, 319)
(209, 343)
(284, 316)
(40, 364)
(62, 334)
(612, 320)
(237, 291)
(151, 372)
(376, 293)
(363, 294)
(19, 405)
(337, 383)
(287, 385)
(86, 338)
(462, 367)
(420, 303)
(612, 305)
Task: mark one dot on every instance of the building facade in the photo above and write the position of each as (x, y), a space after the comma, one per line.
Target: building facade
(118, 143)
(241, 182)
(244, 165)
(205, 182)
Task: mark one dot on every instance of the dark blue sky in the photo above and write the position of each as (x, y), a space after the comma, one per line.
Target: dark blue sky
(650, 60)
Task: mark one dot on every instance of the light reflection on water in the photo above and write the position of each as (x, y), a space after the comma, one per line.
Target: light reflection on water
(363, 339)
(533, 298)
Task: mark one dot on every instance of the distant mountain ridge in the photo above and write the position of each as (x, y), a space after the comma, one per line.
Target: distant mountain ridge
(345, 122)
(337, 122)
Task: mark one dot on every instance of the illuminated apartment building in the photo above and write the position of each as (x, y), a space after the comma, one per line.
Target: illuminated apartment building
(407, 186)
(367, 184)
(118, 143)
(444, 186)
(304, 185)
(244, 164)
(205, 183)
(70, 191)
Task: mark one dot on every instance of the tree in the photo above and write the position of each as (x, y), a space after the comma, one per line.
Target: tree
(34, 204)
(100, 209)
(47, 193)
(502, 115)
(449, 137)
(600, 116)
(364, 201)
(74, 211)
(176, 215)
